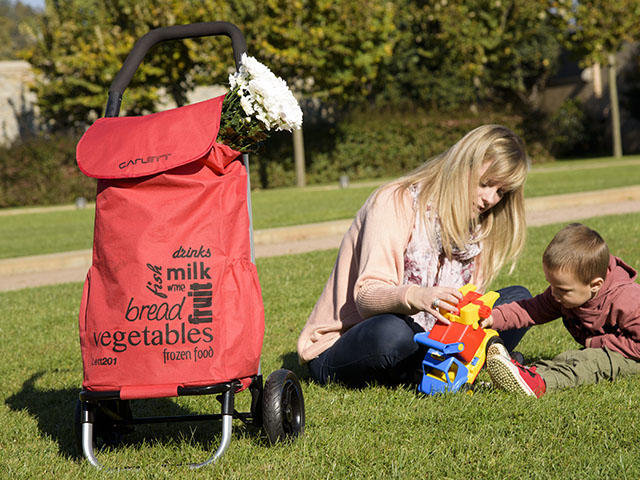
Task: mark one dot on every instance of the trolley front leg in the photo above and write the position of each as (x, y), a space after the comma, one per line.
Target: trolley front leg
(227, 418)
(87, 419)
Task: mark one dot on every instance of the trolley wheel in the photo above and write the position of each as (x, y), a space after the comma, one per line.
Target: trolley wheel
(282, 406)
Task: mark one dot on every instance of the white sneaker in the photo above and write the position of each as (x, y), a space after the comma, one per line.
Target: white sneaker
(497, 348)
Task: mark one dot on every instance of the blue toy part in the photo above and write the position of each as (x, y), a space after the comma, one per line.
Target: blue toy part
(446, 348)
(442, 371)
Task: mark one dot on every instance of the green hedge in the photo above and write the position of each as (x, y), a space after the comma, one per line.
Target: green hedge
(375, 143)
(42, 171)
(365, 144)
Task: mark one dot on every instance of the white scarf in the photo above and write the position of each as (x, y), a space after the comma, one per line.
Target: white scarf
(425, 263)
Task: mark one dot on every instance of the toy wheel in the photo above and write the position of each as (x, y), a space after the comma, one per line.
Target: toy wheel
(282, 406)
(467, 388)
(492, 341)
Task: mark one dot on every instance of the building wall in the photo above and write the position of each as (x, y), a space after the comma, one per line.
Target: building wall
(17, 114)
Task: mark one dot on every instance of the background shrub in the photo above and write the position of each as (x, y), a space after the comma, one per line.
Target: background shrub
(378, 142)
(572, 132)
(42, 171)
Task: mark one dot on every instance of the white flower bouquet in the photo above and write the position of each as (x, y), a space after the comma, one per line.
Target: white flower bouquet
(257, 103)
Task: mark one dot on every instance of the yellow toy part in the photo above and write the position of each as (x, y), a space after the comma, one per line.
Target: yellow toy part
(472, 307)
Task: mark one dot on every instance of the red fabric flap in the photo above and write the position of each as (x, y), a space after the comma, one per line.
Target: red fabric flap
(136, 392)
(130, 147)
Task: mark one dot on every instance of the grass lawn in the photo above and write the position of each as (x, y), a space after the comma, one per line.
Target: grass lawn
(571, 176)
(40, 233)
(587, 433)
(46, 232)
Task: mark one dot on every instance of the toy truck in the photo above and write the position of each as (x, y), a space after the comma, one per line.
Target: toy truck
(456, 352)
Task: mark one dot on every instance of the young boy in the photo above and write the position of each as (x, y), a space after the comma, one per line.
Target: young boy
(596, 295)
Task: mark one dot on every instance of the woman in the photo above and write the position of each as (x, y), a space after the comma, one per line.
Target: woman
(455, 220)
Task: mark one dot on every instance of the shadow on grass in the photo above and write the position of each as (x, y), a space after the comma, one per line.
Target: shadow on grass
(54, 412)
(290, 362)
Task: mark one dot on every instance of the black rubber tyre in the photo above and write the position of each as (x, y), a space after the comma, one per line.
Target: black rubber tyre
(282, 406)
(468, 389)
(493, 340)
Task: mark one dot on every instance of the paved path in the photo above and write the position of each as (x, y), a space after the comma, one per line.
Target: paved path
(22, 272)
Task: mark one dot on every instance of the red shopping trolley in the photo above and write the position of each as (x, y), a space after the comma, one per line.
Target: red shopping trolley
(172, 305)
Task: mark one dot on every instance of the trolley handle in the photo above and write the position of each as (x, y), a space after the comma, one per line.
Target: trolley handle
(175, 32)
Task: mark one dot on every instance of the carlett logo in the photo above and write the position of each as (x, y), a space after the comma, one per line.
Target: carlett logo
(142, 160)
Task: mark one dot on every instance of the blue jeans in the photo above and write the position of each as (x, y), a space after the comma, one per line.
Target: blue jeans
(381, 349)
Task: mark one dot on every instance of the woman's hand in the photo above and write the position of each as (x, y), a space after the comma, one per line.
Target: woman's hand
(431, 299)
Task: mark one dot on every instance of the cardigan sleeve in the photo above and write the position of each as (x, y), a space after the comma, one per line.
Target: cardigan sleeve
(385, 233)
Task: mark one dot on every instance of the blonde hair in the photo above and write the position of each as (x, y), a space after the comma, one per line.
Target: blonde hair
(448, 184)
(579, 250)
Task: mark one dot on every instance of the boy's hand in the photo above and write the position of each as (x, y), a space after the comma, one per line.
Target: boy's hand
(487, 322)
(587, 342)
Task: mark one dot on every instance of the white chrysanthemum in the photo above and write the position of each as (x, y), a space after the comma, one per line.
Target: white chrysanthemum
(265, 96)
(246, 105)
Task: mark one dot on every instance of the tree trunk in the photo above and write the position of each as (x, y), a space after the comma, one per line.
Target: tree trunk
(298, 157)
(615, 108)
(597, 80)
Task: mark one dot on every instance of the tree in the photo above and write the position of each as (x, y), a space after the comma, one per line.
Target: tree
(459, 52)
(595, 30)
(331, 50)
(13, 17)
(81, 45)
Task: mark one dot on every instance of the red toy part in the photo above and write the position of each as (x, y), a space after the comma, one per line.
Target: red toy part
(458, 332)
(472, 297)
(484, 311)
(469, 297)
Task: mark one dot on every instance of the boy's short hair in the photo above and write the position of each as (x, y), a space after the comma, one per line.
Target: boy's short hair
(580, 250)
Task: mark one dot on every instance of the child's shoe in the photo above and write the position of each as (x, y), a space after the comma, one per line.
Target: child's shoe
(498, 348)
(517, 357)
(513, 377)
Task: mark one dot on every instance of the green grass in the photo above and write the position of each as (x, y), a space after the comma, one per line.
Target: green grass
(291, 206)
(581, 176)
(40, 233)
(583, 433)
(47, 232)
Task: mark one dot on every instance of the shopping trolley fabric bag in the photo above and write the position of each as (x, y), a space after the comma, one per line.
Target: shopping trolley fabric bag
(172, 297)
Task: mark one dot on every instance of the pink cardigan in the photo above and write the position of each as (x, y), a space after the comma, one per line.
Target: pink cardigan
(367, 278)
